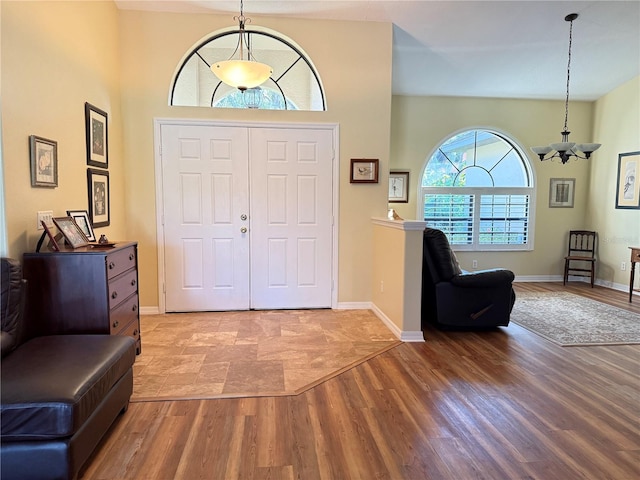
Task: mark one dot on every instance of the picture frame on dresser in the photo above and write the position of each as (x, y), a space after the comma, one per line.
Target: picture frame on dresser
(97, 138)
(98, 192)
(81, 217)
(73, 236)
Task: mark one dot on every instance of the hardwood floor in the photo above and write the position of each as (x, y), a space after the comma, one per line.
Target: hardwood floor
(503, 404)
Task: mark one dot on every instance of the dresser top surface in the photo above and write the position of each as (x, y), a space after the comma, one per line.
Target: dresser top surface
(93, 249)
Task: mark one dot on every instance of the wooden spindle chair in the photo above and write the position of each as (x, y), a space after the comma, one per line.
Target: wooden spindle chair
(580, 260)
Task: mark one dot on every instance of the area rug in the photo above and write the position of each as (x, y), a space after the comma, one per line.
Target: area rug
(571, 320)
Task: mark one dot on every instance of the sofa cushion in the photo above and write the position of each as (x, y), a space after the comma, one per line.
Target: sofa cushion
(51, 385)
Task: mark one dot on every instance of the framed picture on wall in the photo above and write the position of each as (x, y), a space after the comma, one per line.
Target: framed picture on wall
(364, 170)
(44, 162)
(98, 189)
(562, 192)
(398, 186)
(97, 137)
(627, 184)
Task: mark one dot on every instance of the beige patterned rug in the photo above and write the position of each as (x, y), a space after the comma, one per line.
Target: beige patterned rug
(571, 320)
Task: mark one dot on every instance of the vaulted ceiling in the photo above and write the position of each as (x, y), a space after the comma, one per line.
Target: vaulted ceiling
(503, 49)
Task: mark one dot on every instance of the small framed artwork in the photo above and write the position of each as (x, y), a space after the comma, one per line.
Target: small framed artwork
(96, 136)
(44, 162)
(71, 232)
(81, 217)
(53, 243)
(628, 186)
(398, 186)
(561, 192)
(364, 170)
(98, 190)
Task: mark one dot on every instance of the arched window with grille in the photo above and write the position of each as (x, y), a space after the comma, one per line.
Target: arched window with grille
(294, 85)
(478, 188)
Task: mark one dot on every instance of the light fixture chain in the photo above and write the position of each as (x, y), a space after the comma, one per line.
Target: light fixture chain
(566, 103)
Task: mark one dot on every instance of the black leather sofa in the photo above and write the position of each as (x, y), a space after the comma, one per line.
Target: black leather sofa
(59, 393)
(455, 299)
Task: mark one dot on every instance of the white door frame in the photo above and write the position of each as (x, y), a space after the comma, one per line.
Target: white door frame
(157, 147)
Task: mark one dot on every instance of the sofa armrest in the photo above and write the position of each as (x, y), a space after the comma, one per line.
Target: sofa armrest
(484, 278)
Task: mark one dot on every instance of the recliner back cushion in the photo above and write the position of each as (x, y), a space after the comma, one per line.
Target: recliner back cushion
(442, 257)
(11, 304)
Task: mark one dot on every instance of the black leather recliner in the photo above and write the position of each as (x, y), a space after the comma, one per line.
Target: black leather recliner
(455, 299)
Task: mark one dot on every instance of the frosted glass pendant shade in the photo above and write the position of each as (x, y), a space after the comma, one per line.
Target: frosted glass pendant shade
(242, 74)
(588, 147)
(563, 146)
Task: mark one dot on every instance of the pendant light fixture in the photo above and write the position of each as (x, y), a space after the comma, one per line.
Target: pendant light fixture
(565, 149)
(243, 72)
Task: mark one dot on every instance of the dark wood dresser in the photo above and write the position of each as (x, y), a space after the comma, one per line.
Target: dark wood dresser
(86, 290)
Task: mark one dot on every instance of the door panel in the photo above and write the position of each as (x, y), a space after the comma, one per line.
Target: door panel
(205, 185)
(291, 218)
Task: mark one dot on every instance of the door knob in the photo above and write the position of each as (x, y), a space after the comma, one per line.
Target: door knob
(243, 217)
(243, 230)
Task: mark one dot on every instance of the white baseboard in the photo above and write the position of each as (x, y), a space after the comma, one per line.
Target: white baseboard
(402, 335)
(559, 278)
(149, 310)
(353, 306)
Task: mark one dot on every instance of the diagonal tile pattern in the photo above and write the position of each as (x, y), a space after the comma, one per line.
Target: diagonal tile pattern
(252, 353)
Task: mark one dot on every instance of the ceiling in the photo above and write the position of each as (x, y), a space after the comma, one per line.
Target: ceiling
(502, 49)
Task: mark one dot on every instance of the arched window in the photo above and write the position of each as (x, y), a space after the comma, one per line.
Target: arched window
(295, 81)
(478, 188)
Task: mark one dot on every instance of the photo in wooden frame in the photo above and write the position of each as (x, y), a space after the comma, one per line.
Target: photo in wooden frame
(364, 170)
(71, 232)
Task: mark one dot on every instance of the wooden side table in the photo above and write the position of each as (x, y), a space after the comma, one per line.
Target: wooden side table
(635, 257)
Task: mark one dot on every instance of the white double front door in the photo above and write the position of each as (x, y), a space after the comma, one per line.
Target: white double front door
(248, 217)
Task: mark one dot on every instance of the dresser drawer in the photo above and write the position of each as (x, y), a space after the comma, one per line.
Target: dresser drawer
(124, 314)
(635, 254)
(120, 261)
(122, 287)
(131, 330)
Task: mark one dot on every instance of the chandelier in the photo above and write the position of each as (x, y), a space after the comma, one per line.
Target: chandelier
(242, 73)
(565, 149)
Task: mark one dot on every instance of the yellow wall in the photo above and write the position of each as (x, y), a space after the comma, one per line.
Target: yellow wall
(152, 44)
(420, 124)
(617, 127)
(55, 57)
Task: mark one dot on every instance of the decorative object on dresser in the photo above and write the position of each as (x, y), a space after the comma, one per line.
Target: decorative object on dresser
(91, 289)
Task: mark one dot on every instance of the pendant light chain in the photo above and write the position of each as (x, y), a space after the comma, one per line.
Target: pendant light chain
(566, 103)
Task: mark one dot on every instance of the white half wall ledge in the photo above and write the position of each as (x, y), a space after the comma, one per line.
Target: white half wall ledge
(406, 225)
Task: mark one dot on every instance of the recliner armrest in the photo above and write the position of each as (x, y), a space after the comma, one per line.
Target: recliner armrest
(484, 278)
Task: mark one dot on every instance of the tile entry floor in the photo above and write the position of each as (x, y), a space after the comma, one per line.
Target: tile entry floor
(251, 353)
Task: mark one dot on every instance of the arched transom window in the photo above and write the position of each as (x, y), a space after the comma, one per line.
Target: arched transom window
(478, 188)
(294, 85)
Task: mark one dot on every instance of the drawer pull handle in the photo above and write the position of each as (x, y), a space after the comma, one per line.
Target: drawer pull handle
(131, 257)
(112, 265)
(133, 282)
(134, 308)
(114, 295)
(115, 324)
